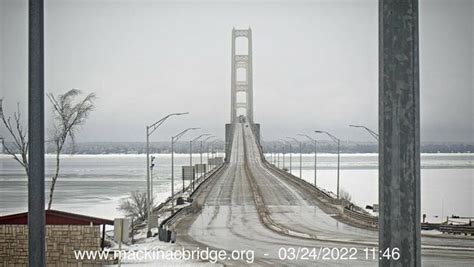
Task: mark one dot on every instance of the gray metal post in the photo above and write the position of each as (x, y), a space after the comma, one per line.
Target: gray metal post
(399, 132)
(315, 142)
(290, 158)
(191, 161)
(207, 162)
(36, 214)
(338, 164)
(278, 163)
(315, 161)
(148, 191)
(283, 155)
(172, 174)
(301, 147)
(338, 143)
(151, 181)
(191, 153)
(200, 151)
(301, 162)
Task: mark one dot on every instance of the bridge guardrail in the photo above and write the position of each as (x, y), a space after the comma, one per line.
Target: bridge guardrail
(305, 184)
(361, 217)
(372, 221)
(171, 218)
(354, 215)
(457, 229)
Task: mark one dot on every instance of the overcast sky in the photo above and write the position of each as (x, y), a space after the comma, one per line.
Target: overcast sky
(315, 64)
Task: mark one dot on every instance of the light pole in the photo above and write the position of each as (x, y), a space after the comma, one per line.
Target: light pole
(291, 149)
(301, 148)
(205, 139)
(278, 158)
(191, 152)
(372, 133)
(173, 140)
(150, 129)
(315, 143)
(270, 152)
(216, 152)
(210, 146)
(274, 155)
(151, 176)
(338, 142)
(284, 143)
(207, 157)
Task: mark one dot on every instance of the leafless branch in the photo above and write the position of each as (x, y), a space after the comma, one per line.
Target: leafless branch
(68, 115)
(18, 134)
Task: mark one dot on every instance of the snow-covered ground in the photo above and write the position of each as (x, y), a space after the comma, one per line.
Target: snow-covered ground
(153, 252)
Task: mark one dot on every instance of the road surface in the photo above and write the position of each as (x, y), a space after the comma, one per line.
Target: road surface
(229, 218)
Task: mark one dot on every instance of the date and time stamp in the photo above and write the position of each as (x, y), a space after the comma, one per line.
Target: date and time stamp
(337, 253)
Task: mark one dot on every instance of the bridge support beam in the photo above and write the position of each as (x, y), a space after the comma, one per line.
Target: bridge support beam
(399, 130)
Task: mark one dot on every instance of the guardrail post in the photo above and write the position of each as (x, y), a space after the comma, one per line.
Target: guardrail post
(399, 131)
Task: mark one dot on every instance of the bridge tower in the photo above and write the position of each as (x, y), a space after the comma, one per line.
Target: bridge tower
(241, 84)
(241, 102)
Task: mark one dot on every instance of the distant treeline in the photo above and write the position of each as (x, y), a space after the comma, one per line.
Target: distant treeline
(363, 147)
(183, 147)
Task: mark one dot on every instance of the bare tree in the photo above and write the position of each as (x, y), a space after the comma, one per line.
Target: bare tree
(344, 195)
(68, 115)
(135, 207)
(18, 134)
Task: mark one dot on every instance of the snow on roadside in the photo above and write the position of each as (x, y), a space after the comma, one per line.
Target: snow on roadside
(159, 253)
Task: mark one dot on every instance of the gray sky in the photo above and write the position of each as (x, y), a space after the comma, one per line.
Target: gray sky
(315, 64)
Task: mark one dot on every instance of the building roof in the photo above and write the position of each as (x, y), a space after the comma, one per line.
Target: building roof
(55, 217)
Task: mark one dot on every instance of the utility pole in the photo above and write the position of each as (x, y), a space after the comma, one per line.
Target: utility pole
(399, 132)
(150, 129)
(338, 143)
(283, 143)
(315, 144)
(191, 153)
(301, 157)
(201, 151)
(173, 140)
(36, 214)
(372, 133)
(210, 146)
(289, 144)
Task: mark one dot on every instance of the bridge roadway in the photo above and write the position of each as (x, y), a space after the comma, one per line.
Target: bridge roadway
(227, 217)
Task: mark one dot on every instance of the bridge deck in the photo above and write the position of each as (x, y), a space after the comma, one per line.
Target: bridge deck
(229, 218)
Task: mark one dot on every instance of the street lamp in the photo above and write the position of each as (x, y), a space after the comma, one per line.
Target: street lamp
(149, 130)
(315, 154)
(191, 151)
(202, 141)
(372, 133)
(291, 149)
(173, 140)
(210, 148)
(283, 142)
(338, 142)
(301, 148)
(272, 153)
(277, 151)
